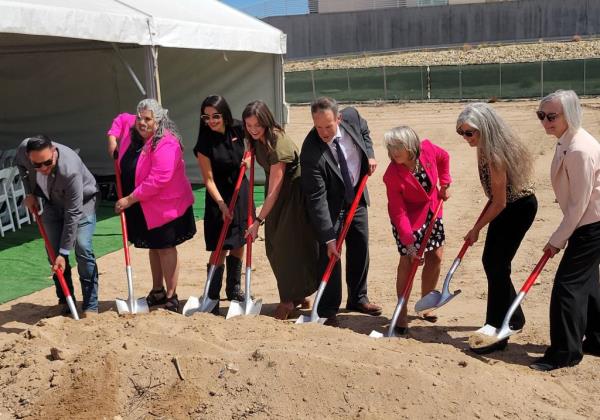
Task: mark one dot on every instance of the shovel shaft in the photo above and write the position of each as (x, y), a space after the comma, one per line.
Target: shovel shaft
(59, 272)
(214, 258)
(122, 217)
(536, 272)
(345, 228)
(395, 316)
(250, 213)
(314, 314)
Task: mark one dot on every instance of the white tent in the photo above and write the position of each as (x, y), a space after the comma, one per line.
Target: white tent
(67, 67)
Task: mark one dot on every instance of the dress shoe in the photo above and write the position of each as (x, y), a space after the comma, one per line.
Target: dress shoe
(89, 314)
(283, 310)
(499, 345)
(430, 318)
(332, 321)
(543, 365)
(365, 308)
(302, 303)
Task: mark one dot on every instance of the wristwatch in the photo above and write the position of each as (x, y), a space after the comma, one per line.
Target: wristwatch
(260, 221)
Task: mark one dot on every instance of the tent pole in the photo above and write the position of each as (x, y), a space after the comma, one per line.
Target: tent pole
(129, 69)
(151, 71)
(281, 111)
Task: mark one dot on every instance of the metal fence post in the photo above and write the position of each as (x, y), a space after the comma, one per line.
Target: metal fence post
(500, 73)
(385, 95)
(542, 78)
(460, 95)
(584, 77)
(428, 83)
(312, 79)
(422, 88)
(348, 80)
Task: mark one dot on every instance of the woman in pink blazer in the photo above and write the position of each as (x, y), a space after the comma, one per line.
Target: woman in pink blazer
(157, 193)
(575, 176)
(412, 178)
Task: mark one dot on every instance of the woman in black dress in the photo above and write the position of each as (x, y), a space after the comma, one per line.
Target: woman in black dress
(219, 150)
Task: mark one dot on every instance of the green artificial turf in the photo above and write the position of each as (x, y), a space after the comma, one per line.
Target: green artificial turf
(24, 267)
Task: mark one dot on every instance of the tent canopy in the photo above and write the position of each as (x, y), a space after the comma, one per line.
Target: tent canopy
(68, 67)
(196, 24)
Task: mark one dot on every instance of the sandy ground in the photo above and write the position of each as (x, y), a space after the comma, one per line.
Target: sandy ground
(122, 367)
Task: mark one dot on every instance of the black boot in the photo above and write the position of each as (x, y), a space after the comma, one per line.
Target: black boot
(214, 291)
(233, 288)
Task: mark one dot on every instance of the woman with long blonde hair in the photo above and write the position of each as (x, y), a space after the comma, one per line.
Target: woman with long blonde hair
(505, 171)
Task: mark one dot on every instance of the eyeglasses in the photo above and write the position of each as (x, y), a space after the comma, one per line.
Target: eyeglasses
(550, 116)
(215, 117)
(465, 133)
(38, 165)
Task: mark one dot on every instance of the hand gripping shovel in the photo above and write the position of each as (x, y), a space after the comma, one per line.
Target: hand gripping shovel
(488, 334)
(435, 299)
(59, 272)
(314, 316)
(131, 305)
(248, 306)
(411, 276)
(204, 303)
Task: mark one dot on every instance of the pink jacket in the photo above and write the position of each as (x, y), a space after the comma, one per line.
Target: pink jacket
(408, 203)
(161, 185)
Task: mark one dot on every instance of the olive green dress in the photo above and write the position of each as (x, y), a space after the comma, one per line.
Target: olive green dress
(290, 241)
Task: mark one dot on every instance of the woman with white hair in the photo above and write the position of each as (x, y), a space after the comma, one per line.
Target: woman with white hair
(505, 172)
(157, 195)
(575, 175)
(411, 179)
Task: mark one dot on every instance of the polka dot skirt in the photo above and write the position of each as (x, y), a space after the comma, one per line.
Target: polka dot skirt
(436, 239)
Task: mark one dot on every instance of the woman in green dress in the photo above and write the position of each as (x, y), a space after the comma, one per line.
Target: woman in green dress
(291, 245)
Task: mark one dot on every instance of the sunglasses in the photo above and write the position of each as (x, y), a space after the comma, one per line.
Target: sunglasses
(465, 133)
(551, 116)
(38, 165)
(207, 118)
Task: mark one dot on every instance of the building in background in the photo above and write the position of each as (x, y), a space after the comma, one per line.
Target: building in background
(332, 6)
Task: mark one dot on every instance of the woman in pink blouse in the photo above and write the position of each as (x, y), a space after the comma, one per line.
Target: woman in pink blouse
(412, 178)
(575, 175)
(157, 195)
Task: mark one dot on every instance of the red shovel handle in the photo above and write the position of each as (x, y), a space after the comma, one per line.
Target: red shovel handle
(122, 214)
(214, 258)
(466, 245)
(536, 272)
(345, 228)
(59, 272)
(250, 212)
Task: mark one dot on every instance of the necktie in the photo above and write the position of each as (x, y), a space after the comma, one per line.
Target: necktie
(348, 187)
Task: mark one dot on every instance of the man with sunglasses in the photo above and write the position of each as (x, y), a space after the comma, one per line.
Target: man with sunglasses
(57, 175)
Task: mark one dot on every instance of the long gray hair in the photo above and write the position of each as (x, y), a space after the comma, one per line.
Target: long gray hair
(163, 122)
(498, 144)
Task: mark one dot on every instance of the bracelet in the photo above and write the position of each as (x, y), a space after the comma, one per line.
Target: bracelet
(260, 221)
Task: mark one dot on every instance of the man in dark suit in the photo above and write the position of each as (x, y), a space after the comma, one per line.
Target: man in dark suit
(57, 175)
(336, 154)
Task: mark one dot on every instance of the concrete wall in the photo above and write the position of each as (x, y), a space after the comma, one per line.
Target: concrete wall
(317, 35)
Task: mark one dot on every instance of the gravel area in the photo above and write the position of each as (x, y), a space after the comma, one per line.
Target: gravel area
(468, 54)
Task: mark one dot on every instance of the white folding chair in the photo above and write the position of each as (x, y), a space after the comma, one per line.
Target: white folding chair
(16, 191)
(6, 218)
(8, 158)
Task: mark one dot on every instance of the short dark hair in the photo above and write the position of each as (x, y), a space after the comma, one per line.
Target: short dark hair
(38, 142)
(324, 103)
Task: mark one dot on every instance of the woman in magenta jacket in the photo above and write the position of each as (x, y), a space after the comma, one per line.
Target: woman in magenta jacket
(411, 179)
(157, 195)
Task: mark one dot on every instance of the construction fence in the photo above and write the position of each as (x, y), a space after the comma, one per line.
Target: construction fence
(474, 81)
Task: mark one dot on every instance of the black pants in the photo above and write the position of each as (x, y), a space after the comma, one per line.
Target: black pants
(504, 236)
(575, 302)
(357, 266)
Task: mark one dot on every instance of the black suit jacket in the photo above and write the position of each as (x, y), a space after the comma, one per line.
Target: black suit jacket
(321, 177)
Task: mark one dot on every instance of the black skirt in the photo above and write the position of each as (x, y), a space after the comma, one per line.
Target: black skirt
(168, 235)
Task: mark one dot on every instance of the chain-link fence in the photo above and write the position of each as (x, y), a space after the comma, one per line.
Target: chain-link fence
(475, 81)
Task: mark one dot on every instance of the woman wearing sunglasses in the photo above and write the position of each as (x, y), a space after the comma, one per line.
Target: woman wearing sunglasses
(575, 176)
(290, 242)
(219, 151)
(505, 171)
(157, 193)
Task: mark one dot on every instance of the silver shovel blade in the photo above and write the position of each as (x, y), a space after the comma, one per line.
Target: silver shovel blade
(140, 306)
(307, 319)
(237, 308)
(195, 304)
(430, 301)
(499, 333)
